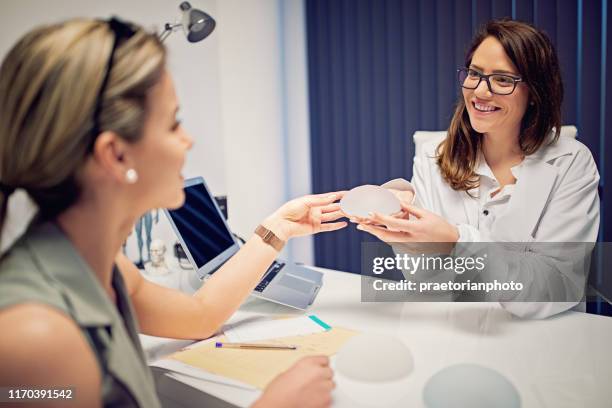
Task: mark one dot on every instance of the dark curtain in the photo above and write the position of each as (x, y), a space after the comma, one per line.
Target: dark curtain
(381, 69)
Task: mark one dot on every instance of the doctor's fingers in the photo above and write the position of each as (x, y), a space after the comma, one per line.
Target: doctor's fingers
(414, 210)
(384, 234)
(394, 223)
(401, 214)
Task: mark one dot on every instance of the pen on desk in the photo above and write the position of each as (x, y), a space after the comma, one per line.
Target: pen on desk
(254, 346)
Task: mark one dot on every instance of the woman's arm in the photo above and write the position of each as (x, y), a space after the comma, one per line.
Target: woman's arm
(169, 313)
(560, 258)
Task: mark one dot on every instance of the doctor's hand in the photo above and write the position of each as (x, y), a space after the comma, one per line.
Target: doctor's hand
(419, 229)
(308, 383)
(405, 198)
(307, 215)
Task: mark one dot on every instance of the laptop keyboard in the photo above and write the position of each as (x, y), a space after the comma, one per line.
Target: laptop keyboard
(270, 274)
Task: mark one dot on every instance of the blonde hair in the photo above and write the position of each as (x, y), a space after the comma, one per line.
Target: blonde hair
(49, 83)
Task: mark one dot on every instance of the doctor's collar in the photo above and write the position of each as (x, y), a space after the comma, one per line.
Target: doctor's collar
(563, 146)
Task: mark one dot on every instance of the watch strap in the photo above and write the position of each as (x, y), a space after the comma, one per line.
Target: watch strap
(269, 237)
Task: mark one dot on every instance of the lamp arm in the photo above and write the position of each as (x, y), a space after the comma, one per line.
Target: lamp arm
(168, 29)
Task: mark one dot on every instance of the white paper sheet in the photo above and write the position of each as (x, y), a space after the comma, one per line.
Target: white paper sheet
(262, 329)
(194, 372)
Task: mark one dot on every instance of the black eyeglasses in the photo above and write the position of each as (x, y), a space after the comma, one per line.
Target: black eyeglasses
(499, 84)
(122, 32)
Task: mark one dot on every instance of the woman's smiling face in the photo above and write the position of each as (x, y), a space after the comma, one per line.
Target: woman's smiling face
(491, 113)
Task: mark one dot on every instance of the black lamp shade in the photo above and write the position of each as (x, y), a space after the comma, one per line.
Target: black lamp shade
(196, 23)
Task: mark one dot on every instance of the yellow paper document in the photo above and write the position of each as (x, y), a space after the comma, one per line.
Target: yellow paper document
(259, 367)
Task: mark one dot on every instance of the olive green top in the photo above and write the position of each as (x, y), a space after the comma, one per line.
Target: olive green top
(44, 267)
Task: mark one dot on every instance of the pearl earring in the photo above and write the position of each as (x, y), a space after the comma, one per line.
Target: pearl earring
(131, 176)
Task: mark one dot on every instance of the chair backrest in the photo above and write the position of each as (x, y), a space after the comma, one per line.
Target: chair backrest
(422, 136)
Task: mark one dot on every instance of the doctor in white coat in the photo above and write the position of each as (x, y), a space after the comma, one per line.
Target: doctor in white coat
(504, 175)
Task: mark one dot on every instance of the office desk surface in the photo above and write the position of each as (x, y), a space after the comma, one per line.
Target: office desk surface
(564, 361)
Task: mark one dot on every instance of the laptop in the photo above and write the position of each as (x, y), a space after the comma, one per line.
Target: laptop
(208, 243)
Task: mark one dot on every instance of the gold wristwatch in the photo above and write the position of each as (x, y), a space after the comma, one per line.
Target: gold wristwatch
(269, 238)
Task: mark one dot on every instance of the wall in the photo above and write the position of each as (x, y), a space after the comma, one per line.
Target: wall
(265, 119)
(242, 95)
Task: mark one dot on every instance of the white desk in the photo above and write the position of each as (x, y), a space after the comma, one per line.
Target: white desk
(565, 361)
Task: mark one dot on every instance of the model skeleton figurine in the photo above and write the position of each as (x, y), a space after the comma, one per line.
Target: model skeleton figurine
(157, 265)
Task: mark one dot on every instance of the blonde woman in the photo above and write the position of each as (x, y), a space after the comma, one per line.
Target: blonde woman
(88, 129)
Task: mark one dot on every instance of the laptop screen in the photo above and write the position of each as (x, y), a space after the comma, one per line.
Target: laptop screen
(201, 225)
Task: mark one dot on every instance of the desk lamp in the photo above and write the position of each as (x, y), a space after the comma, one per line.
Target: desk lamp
(196, 24)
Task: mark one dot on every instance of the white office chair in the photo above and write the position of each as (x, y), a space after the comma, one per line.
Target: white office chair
(422, 136)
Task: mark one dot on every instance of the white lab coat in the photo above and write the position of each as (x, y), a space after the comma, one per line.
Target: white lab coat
(555, 200)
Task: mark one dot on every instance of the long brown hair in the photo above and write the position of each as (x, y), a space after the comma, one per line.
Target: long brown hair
(535, 57)
(48, 87)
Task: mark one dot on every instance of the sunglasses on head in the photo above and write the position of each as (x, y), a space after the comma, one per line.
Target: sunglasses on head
(122, 31)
